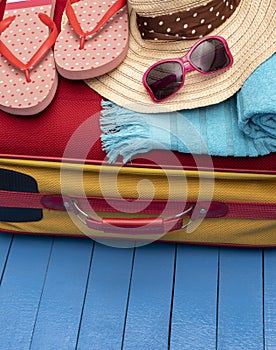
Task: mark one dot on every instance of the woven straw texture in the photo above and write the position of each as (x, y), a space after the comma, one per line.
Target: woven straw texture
(249, 31)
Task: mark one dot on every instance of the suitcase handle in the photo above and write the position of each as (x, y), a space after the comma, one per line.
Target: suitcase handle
(154, 226)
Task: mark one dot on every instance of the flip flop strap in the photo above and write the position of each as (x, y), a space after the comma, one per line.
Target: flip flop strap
(76, 25)
(38, 55)
(2, 8)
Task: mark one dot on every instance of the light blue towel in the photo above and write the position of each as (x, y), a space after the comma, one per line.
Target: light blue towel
(244, 125)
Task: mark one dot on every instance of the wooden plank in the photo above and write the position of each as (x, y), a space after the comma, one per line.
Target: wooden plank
(21, 290)
(106, 300)
(148, 316)
(240, 309)
(195, 299)
(5, 244)
(62, 300)
(270, 298)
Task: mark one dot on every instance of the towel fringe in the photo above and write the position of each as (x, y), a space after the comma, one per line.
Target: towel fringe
(120, 128)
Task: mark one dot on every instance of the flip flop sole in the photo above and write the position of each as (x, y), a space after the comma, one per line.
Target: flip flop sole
(102, 52)
(23, 37)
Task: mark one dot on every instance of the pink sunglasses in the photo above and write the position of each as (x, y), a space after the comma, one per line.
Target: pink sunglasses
(164, 78)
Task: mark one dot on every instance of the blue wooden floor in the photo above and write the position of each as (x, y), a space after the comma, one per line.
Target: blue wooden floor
(64, 293)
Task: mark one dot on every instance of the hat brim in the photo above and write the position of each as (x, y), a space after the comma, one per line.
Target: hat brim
(250, 33)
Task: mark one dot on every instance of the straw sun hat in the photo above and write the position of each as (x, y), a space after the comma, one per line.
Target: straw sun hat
(161, 29)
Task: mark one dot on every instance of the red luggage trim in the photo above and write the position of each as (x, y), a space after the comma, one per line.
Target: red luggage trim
(215, 209)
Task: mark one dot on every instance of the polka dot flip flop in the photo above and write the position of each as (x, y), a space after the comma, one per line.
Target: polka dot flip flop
(94, 38)
(28, 78)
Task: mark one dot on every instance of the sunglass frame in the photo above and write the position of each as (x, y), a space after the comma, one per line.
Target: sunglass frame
(188, 67)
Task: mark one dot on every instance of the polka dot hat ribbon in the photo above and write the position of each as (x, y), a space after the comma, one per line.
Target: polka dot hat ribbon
(192, 23)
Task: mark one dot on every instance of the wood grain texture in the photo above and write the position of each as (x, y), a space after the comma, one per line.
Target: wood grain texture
(148, 314)
(60, 309)
(5, 244)
(64, 293)
(195, 298)
(270, 299)
(21, 290)
(105, 306)
(240, 307)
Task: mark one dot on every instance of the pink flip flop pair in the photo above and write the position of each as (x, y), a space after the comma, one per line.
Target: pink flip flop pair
(92, 42)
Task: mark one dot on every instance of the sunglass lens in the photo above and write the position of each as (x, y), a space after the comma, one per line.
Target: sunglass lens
(210, 56)
(165, 79)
